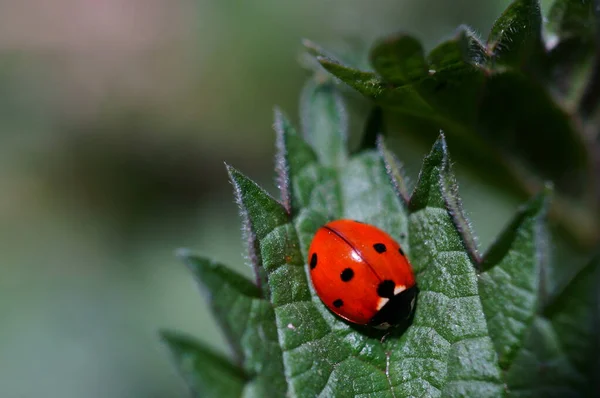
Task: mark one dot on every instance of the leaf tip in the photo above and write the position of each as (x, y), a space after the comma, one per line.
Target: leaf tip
(326, 61)
(163, 334)
(238, 179)
(541, 201)
(380, 143)
(393, 170)
(439, 151)
(183, 253)
(311, 47)
(231, 171)
(193, 263)
(174, 341)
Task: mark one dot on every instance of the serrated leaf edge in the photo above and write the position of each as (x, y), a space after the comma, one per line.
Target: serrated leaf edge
(394, 171)
(282, 167)
(247, 228)
(449, 192)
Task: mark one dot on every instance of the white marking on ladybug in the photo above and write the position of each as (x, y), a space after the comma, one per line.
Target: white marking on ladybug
(412, 307)
(355, 256)
(383, 326)
(382, 301)
(399, 289)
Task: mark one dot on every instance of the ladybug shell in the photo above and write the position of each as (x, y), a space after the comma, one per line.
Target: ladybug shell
(359, 272)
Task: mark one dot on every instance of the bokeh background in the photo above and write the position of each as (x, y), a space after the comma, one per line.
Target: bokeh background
(115, 119)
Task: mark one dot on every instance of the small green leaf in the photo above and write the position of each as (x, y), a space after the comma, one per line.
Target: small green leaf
(367, 83)
(316, 50)
(404, 98)
(456, 80)
(464, 49)
(446, 94)
(511, 279)
(399, 59)
(206, 373)
(517, 35)
(324, 122)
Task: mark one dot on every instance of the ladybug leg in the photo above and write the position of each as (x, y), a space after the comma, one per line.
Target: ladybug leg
(384, 337)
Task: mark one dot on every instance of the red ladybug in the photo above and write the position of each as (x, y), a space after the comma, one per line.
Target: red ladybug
(361, 274)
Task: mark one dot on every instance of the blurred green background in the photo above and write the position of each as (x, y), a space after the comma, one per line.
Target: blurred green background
(115, 119)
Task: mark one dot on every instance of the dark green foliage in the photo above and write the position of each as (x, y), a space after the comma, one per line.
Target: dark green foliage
(526, 102)
(484, 325)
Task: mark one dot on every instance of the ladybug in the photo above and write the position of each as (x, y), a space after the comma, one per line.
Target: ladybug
(361, 274)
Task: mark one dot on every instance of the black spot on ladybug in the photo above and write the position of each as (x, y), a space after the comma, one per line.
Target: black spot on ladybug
(386, 289)
(347, 275)
(401, 251)
(379, 247)
(338, 303)
(313, 261)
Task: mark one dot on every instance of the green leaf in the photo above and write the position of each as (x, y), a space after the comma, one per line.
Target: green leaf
(260, 213)
(510, 283)
(207, 373)
(290, 344)
(399, 59)
(367, 83)
(517, 35)
(449, 305)
(456, 80)
(463, 50)
(364, 181)
(559, 358)
(247, 320)
(321, 353)
(431, 347)
(446, 94)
